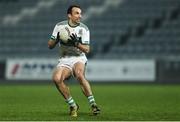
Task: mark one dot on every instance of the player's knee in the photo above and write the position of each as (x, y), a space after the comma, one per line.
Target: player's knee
(58, 79)
(55, 79)
(80, 76)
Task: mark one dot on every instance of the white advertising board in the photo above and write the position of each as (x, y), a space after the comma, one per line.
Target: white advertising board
(121, 70)
(29, 69)
(96, 70)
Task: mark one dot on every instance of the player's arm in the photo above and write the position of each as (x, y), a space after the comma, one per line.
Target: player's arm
(84, 44)
(84, 48)
(52, 43)
(54, 38)
(77, 42)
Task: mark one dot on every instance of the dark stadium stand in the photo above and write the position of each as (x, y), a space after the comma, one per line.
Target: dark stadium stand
(140, 29)
(133, 29)
(31, 34)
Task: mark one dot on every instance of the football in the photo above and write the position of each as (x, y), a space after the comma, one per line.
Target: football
(64, 34)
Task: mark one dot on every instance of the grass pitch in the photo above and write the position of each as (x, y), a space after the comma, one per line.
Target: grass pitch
(122, 102)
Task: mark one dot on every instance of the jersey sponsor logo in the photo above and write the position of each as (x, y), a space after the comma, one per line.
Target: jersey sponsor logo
(67, 29)
(80, 32)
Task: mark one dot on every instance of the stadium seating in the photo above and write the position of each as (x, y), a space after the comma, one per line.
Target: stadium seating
(133, 29)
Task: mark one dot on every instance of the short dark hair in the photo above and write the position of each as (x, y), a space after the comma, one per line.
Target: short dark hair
(69, 10)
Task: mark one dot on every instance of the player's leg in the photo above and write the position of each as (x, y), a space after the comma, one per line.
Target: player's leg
(59, 76)
(79, 69)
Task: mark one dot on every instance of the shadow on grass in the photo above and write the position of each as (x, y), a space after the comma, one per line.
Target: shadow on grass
(82, 116)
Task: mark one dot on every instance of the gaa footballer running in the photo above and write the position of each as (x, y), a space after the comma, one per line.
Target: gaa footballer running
(72, 59)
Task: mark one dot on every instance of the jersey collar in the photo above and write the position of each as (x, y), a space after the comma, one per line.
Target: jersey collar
(73, 26)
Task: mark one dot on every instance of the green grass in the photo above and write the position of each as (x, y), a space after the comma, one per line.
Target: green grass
(117, 101)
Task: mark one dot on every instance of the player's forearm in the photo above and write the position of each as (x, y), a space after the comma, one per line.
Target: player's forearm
(84, 48)
(52, 44)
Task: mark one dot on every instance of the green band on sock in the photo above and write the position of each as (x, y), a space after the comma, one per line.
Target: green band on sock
(71, 102)
(91, 100)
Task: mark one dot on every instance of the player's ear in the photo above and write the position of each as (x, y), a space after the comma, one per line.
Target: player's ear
(69, 15)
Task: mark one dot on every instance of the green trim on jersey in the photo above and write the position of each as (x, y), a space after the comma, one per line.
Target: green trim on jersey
(73, 26)
(86, 43)
(53, 37)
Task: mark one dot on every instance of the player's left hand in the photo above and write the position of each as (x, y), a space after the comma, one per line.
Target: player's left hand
(74, 40)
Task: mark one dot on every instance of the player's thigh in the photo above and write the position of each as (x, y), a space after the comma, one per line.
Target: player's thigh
(79, 69)
(61, 73)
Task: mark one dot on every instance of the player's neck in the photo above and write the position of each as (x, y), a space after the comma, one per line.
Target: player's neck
(71, 24)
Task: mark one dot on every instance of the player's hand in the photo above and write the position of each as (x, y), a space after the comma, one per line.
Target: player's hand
(63, 43)
(74, 40)
(57, 39)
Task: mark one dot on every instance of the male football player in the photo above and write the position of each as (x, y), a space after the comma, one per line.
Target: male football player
(72, 59)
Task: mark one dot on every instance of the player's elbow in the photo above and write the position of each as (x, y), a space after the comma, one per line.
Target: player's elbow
(50, 47)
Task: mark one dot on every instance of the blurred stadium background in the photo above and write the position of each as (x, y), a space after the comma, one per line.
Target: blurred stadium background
(120, 30)
(132, 40)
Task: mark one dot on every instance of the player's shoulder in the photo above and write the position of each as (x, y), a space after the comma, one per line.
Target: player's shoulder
(84, 26)
(65, 22)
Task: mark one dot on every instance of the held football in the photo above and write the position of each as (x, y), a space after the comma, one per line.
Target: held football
(64, 34)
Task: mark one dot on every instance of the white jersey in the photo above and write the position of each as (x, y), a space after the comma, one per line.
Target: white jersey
(81, 31)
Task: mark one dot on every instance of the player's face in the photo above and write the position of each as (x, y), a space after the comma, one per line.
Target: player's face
(75, 16)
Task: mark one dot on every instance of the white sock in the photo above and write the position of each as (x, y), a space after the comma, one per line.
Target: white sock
(91, 100)
(71, 102)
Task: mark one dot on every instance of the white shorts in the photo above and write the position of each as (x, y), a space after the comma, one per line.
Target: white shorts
(70, 61)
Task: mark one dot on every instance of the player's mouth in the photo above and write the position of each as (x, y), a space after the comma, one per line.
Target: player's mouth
(78, 20)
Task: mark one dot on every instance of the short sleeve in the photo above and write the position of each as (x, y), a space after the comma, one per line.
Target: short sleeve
(55, 32)
(86, 37)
